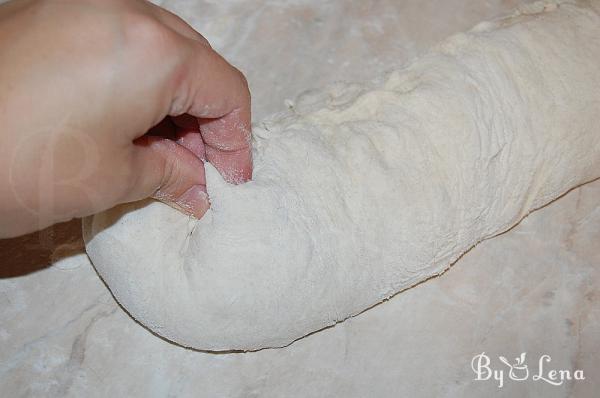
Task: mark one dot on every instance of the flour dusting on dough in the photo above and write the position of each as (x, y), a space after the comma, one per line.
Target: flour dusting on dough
(363, 190)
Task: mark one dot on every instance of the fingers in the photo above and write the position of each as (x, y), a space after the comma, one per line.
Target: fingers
(216, 93)
(188, 135)
(208, 102)
(228, 145)
(177, 24)
(170, 173)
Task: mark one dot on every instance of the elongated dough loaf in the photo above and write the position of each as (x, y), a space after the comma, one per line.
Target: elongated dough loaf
(361, 191)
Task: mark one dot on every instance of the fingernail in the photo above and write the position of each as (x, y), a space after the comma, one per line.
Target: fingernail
(194, 201)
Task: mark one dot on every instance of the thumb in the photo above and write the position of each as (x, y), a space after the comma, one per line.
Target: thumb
(169, 172)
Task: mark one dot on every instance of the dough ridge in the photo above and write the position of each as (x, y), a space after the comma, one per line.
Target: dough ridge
(363, 190)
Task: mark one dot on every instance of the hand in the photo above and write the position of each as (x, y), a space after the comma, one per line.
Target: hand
(82, 82)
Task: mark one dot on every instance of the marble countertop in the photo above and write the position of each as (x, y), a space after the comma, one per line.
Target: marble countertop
(534, 289)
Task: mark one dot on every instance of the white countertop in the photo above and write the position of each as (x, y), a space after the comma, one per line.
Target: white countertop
(534, 289)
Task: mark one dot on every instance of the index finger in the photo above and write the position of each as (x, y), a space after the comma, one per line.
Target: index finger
(217, 94)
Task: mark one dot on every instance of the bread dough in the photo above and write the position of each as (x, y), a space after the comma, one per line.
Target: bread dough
(363, 190)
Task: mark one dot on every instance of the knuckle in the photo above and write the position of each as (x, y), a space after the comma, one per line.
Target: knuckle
(169, 177)
(243, 89)
(204, 41)
(243, 80)
(147, 33)
(171, 172)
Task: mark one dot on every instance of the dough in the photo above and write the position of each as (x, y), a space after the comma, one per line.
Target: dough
(361, 191)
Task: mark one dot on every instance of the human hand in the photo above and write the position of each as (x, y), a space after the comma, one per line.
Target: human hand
(82, 81)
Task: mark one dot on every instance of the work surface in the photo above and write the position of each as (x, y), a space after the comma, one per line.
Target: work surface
(534, 289)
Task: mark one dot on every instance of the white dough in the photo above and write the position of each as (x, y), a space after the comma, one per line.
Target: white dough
(361, 191)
